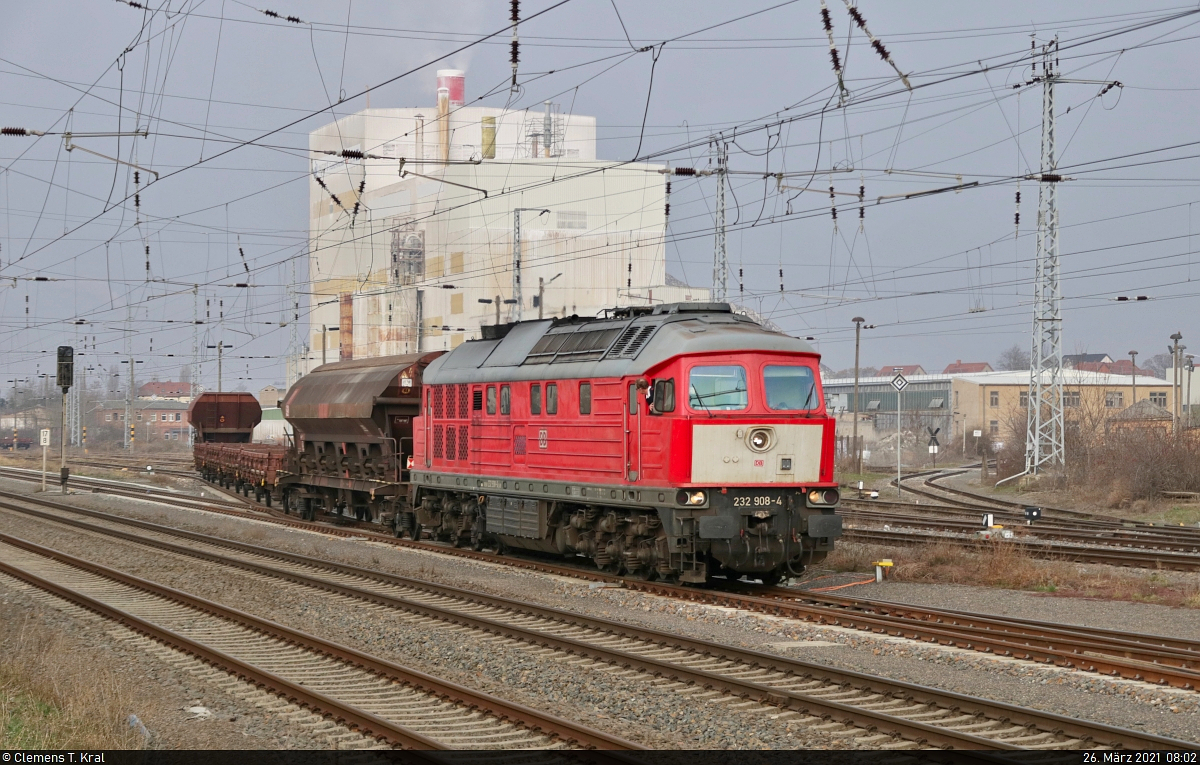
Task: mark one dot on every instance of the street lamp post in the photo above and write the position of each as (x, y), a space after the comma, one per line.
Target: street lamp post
(515, 313)
(542, 291)
(858, 326)
(1133, 362)
(1174, 350)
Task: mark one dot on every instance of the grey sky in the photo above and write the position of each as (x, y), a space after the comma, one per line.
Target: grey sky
(941, 276)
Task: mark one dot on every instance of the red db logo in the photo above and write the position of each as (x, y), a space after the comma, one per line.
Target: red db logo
(759, 463)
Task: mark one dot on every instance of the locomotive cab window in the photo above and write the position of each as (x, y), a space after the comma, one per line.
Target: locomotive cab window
(491, 399)
(789, 389)
(551, 398)
(535, 398)
(717, 387)
(585, 398)
(505, 399)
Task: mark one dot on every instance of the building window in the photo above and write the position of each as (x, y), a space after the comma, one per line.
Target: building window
(154, 417)
(1114, 399)
(994, 398)
(937, 403)
(955, 399)
(994, 427)
(139, 416)
(1071, 398)
(535, 398)
(178, 416)
(585, 398)
(873, 405)
(1159, 397)
(571, 219)
(491, 399)
(505, 400)
(108, 417)
(551, 398)
(1024, 399)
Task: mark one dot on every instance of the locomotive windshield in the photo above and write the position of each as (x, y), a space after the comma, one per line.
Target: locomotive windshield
(789, 389)
(715, 387)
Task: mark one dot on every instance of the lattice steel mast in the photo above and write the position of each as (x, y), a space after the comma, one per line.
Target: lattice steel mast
(1044, 436)
(720, 253)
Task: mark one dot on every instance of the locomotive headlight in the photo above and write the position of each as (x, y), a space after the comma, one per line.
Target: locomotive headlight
(762, 514)
(760, 439)
(823, 496)
(685, 497)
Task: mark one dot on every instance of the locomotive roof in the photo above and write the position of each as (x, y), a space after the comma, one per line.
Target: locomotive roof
(628, 342)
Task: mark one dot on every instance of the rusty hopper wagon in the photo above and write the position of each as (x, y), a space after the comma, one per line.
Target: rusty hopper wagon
(353, 424)
(223, 454)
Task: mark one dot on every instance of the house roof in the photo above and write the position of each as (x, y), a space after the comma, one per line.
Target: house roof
(1076, 358)
(1143, 410)
(971, 367)
(1070, 377)
(164, 389)
(905, 369)
(143, 404)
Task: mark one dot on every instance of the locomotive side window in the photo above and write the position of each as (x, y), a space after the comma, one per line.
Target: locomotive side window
(633, 398)
(535, 398)
(551, 398)
(505, 399)
(491, 399)
(789, 389)
(585, 398)
(717, 387)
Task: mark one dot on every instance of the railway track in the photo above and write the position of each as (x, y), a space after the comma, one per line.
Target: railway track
(1161, 539)
(889, 713)
(1071, 647)
(379, 698)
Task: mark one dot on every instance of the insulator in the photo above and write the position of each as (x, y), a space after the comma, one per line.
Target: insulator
(858, 17)
(321, 183)
(362, 185)
(147, 249)
(882, 51)
(1017, 219)
(862, 213)
(1018, 197)
(13, 131)
(668, 188)
(685, 171)
(338, 201)
(137, 177)
(356, 204)
(515, 56)
(272, 14)
(833, 211)
(352, 154)
(837, 62)
(294, 19)
(515, 14)
(831, 192)
(667, 210)
(137, 201)
(825, 20)
(862, 192)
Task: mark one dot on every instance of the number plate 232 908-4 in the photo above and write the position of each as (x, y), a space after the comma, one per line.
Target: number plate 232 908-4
(759, 501)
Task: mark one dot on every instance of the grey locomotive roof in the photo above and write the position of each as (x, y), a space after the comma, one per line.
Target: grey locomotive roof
(610, 347)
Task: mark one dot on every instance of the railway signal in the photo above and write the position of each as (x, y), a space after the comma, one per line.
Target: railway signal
(899, 383)
(933, 443)
(66, 375)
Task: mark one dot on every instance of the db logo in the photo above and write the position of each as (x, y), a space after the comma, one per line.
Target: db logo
(543, 439)
(222, 418)
(760, 463)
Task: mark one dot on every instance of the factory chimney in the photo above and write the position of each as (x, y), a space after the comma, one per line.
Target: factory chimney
(454, 81)
(444, 124)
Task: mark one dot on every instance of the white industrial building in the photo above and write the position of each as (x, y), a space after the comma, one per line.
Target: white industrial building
(413, 215)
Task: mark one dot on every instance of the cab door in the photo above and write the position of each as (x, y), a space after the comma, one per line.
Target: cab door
(633, 434)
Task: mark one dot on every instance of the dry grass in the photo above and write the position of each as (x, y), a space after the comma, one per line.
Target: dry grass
(1004, 565)
(53, 697)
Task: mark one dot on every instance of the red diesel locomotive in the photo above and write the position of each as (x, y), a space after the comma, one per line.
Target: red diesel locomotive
(680, 441)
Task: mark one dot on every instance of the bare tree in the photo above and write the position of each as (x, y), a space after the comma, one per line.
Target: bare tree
(1158, 365)
(862, 372)
(1015, 358)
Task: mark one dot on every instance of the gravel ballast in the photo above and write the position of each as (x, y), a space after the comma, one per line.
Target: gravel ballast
(634, 706)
